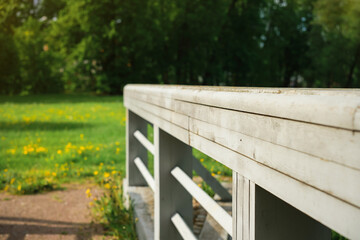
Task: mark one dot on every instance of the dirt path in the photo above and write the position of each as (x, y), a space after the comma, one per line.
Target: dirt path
(56, 215)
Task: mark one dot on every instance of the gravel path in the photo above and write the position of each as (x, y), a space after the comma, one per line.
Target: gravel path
(55, 215)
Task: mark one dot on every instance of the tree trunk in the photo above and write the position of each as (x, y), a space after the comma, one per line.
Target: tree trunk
(208, 75)
(165, 77)
(352, 67)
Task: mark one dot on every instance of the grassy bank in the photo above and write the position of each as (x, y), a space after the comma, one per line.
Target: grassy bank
(47, 140)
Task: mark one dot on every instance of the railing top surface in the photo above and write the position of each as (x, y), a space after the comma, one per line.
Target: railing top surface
(330, 107)
(254, 90)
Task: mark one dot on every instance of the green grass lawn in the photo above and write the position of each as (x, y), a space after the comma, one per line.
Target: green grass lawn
(47, 140)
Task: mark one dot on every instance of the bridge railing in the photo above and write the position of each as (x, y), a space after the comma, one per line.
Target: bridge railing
(295, 156)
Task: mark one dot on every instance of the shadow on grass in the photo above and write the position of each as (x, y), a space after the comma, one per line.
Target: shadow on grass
(59, 98)
(42, 126)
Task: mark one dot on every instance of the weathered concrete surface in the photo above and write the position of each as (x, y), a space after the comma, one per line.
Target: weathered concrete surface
(205, 227)
(142, 199)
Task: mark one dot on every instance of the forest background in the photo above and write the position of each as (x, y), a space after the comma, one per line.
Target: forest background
(64, 46)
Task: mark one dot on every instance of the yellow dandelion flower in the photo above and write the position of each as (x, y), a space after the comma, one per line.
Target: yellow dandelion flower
(6, 188)
(40, 149)
(19, 188)
(97, 149)
(54, 174)
(59, 152)
(96, 173)
(5, 170)
(82, 136)
(12, 181)
(12, 151)
(85, 158)
(213, 174)
(107, 186)
(113, 172)
(201, 160)
(218, 172)
(117, 143)
(106, 175)
(88, 193)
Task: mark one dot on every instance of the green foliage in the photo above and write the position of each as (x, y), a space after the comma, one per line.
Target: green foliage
(9, 65)
(207, 189)
(99, 46)
(212, 165)
(30, 183)
(336, 236)
(111, 212)
(38, 61)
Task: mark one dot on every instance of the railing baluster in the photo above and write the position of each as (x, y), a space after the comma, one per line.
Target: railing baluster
(209, 204)
(144, 141)
(182, 228)
(145, 173)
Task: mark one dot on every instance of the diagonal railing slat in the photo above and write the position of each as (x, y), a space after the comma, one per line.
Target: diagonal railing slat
(144, 141)
(182, 228)
(209, 204)
(145, 172)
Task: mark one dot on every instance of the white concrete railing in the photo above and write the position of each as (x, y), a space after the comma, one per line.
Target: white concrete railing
(294, 153)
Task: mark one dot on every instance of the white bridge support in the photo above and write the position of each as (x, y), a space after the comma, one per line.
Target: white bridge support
(134, 149)
(294, 153)
(170, 196)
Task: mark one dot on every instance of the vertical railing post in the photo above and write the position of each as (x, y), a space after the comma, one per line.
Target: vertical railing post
(243, 208)
(134, 149)
(170, 196)
(258, 214)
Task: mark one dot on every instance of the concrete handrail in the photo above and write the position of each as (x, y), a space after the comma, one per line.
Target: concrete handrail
(294, 153)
